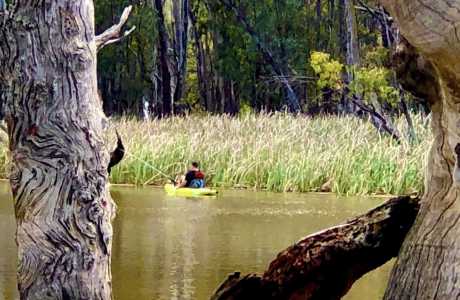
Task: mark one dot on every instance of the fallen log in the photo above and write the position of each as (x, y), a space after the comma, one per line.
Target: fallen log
(325, 265)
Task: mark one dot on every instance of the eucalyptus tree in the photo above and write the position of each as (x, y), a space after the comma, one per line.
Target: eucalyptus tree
(427, 266)
(55, 121)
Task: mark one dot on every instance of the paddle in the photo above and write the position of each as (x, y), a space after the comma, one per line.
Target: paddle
(173, 180)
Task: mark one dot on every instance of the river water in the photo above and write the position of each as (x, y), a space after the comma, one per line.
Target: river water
(176, 248)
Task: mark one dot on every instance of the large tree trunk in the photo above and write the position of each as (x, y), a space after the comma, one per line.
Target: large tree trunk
(326, 264)
(59, 158)
(427, 267)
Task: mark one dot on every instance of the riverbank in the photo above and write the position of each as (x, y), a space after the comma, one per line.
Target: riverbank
(272, 152)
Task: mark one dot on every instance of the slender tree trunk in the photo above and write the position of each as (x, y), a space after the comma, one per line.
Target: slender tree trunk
(341, 29)
(410, 124)
(231, 106)
(351, 35)
(59, 159)
(163, 60)
(200, 62)
(331, 23)
(427, 267)
(318, 20)
(181, 15)
(291, 97)
(157, 91)
(350, 45)
(345, 105)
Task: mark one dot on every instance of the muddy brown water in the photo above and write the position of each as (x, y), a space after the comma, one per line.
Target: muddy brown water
(176, 248)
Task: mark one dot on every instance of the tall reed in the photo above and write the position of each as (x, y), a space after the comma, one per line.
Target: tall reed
(278, 152)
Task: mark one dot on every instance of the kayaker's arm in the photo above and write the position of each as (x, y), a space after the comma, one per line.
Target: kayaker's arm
(182, 183)
(185, 180)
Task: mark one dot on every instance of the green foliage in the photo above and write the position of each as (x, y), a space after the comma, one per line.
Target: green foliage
(288, 28)
(373, 79)
(245, 109)
(376, 57)
(328, 70)
(192, 96)
(370, 80)
(124, 68)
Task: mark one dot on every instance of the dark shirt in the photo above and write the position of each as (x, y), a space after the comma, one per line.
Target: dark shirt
(189, 177)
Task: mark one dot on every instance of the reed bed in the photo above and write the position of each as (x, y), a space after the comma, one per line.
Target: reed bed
(276, 152)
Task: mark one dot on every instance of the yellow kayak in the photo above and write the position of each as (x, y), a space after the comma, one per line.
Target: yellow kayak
(188, 192)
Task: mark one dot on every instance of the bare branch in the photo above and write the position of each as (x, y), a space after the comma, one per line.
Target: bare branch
(114, 33)
(324, 265)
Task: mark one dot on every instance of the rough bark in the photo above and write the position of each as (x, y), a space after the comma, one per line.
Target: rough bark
(59, 158)
(326, 264)
(427, 267)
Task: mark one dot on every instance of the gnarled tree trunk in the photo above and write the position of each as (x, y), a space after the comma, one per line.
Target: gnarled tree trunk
(428, 267)
(326, 264)
(59, 158)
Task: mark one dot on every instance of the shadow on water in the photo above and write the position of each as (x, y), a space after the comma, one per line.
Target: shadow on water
(176, 248)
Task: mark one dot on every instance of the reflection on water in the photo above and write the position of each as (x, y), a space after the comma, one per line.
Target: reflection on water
(176, 248)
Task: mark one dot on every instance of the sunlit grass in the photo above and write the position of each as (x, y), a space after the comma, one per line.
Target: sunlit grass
(277, 152)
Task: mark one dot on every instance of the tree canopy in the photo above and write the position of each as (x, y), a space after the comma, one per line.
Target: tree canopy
(240, 55)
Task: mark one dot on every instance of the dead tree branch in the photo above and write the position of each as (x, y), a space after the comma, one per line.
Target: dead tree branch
(325, 265)
(114, 33)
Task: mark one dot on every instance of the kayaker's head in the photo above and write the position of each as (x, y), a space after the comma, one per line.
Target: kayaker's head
(195, 166)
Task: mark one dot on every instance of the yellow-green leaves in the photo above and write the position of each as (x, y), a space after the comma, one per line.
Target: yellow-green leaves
(328, 70)
(373, 80)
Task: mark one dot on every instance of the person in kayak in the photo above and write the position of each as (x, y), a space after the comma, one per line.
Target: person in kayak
(194, 178)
